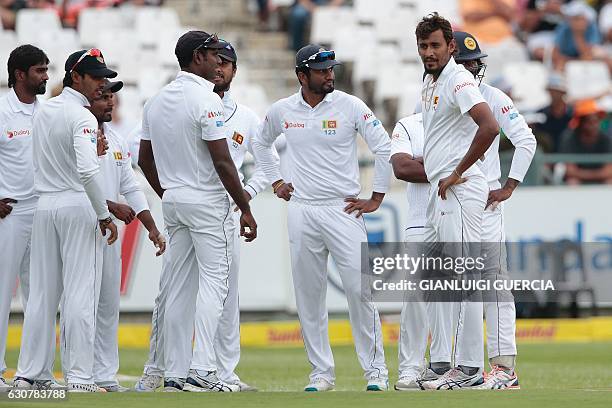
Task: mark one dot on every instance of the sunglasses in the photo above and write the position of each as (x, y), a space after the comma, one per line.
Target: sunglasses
(213, 38)
(93, 52)
(319, 57)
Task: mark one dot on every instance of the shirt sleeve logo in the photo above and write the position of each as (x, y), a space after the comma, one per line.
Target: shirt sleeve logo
(507, 109)
(220, 123)
(463, 85)
(212, 115)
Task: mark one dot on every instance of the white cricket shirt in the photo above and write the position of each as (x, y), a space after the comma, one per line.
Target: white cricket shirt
(119, 177)
(178, 121)
(322, 145)
(449, 129)
(408, 138)
(16, 170)
(512, 125)
(64, 149)
(241, 125)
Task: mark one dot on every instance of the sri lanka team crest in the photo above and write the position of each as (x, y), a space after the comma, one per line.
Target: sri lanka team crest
(238, 138)
(329, 124)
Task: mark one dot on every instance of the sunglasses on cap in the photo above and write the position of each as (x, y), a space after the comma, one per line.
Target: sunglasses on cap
(213, 38)
(92, 52)
(319, 57)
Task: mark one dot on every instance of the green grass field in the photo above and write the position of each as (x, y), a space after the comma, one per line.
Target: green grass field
(551, 375)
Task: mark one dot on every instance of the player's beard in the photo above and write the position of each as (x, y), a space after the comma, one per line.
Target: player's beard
(222, 87)
(322, 89)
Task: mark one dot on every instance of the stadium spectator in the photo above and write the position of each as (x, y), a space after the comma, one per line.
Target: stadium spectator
(578, 36)
(299, 17)
(587, 138)
(8, 12)
(538, 24)
(557, 115)
(263, 13)
(489, 20)
(9, 9)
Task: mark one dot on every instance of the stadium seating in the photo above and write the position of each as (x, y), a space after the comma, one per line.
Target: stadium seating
(150, 21)
(327, 21)
(587, 79)
(31, 23)
(528, 81)
(89, 24)
(8, 41)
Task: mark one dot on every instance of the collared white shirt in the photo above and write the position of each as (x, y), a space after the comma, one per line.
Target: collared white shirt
(449, 129)
(408, 138)
(16, 169)
(322, 145)
(513, 126)
(119, 177)
(64, 150)
(178, 121)
(242, 124)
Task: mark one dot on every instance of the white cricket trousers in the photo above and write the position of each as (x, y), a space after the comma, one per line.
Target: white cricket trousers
(414, 320)
(200, 227)
(15, 233)
(64, 264)
(106, 356)
(458, 219)
(227, 340)
(501, 314)
(316, 230)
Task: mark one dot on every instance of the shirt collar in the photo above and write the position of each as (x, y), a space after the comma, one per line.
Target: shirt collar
(184, 75)
(299, 100)
(16, 105)
(450, 67)
(75, 96)
(228, 101)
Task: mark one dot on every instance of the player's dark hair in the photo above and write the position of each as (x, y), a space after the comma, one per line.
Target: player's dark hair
(305, 70)
(431, 23)
(22, 58)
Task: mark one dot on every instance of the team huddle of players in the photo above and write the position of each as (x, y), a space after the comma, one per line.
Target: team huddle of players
(64, 167)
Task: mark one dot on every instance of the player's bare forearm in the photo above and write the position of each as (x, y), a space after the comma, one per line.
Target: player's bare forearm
(146, 162)
(485, 135)
(408, 169)
(147, 220)
(226, 169)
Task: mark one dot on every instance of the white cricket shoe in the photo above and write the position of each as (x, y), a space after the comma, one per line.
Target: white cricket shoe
(148, 383)
(498, 379)
(77, 387)
(115, 388)
(377, 384)
(319, 385)
(4, 386)
(172, 384)
(48, 385)
(23, 383)
(244, 387)
(207, 383)
(407, 383)
(454, 379)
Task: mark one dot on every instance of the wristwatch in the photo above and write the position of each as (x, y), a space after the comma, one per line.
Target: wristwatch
(105, 221)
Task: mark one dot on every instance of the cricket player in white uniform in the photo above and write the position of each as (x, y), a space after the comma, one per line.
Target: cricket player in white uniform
(500, 315)
(69, 222)
(406, 158)
(27, 72)
(119, 179)
(324, 212)
(459, 127)
(184, 140)
(241, 125)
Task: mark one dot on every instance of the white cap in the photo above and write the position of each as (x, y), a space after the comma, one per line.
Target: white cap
(579, 8)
